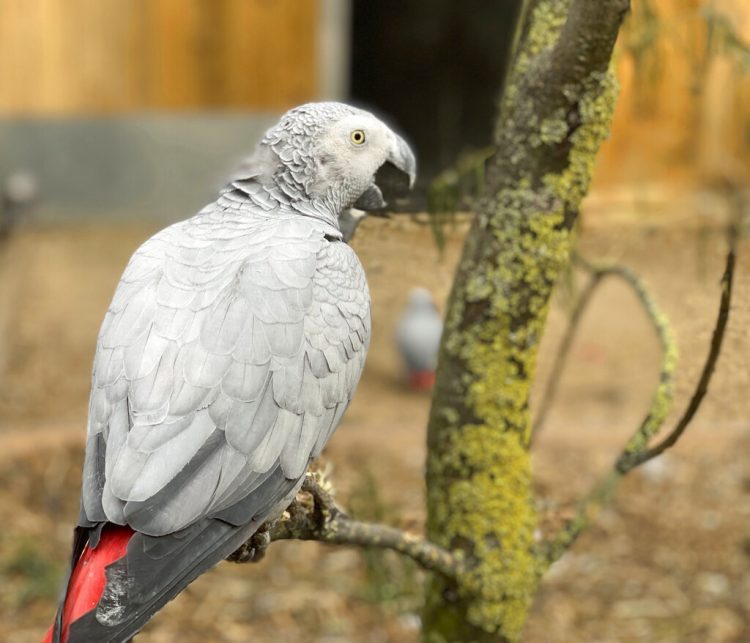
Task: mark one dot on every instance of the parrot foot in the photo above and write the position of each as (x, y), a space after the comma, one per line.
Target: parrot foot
(254, 549)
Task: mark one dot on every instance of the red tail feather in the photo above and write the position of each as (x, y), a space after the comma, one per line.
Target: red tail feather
(421, 380)
(87, 581)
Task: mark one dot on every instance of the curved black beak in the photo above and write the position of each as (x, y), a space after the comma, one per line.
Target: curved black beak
(393, 180)
(403, 159)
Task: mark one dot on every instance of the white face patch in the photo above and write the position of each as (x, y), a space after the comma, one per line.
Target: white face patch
(351, 151)
(332, 151)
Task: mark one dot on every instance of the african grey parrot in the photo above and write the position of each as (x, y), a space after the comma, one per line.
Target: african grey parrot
(230, 351)
(17, 195)
(418, 338)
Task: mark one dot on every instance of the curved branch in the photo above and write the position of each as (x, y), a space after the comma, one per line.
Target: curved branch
(661, 403)
(717, 339)
(314, 515)
(553, 381)
(637, 451)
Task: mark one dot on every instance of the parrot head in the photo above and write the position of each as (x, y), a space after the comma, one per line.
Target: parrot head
(341, 154)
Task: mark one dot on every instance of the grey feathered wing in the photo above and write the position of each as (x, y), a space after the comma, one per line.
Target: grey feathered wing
(227, 358)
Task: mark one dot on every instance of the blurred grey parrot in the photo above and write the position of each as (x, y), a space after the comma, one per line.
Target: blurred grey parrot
(418, 338)
(17, 196)
(230, 351)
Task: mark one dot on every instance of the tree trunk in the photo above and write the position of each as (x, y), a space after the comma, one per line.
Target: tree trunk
(555, 112)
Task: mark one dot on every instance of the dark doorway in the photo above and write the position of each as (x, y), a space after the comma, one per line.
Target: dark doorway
(434, 67)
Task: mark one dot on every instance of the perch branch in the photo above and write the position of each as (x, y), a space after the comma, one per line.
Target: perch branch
(637, 450)
(314, 515)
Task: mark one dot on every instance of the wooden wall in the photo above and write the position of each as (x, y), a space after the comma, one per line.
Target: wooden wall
(684, 106)
(90, 57)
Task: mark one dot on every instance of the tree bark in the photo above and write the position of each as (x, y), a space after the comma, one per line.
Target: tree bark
(554, 114)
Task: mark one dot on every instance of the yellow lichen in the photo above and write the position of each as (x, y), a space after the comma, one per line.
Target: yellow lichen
(545, 26)
(553, 130)
(479, 472)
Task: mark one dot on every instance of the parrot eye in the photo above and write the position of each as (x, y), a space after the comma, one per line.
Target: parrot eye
(358, 137)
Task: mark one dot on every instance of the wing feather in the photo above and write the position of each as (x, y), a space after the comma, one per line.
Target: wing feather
(245, 382)
(139, 474)
(230, 352)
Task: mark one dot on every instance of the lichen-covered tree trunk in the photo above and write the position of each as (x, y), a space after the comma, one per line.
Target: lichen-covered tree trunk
(555, 112)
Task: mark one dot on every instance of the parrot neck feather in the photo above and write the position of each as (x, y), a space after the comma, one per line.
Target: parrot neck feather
(271, 199)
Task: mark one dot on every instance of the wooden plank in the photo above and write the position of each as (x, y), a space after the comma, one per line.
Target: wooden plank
(81, 57)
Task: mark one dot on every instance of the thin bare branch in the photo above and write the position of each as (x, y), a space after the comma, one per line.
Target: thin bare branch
(637, 450)
(717, 339)
(662, 400)
(553, 381)
(553, 549)
(661, 404)
(314, 515)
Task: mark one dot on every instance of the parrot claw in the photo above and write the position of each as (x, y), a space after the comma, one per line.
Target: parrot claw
(254, 549)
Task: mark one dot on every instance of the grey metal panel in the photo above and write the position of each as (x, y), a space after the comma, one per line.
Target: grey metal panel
(160, 167)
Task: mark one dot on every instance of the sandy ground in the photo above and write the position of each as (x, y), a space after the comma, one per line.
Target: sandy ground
(667, 562)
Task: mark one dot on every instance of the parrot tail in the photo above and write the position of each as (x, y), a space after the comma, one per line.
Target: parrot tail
(421, 380)
(87, 580)
(120, 581)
